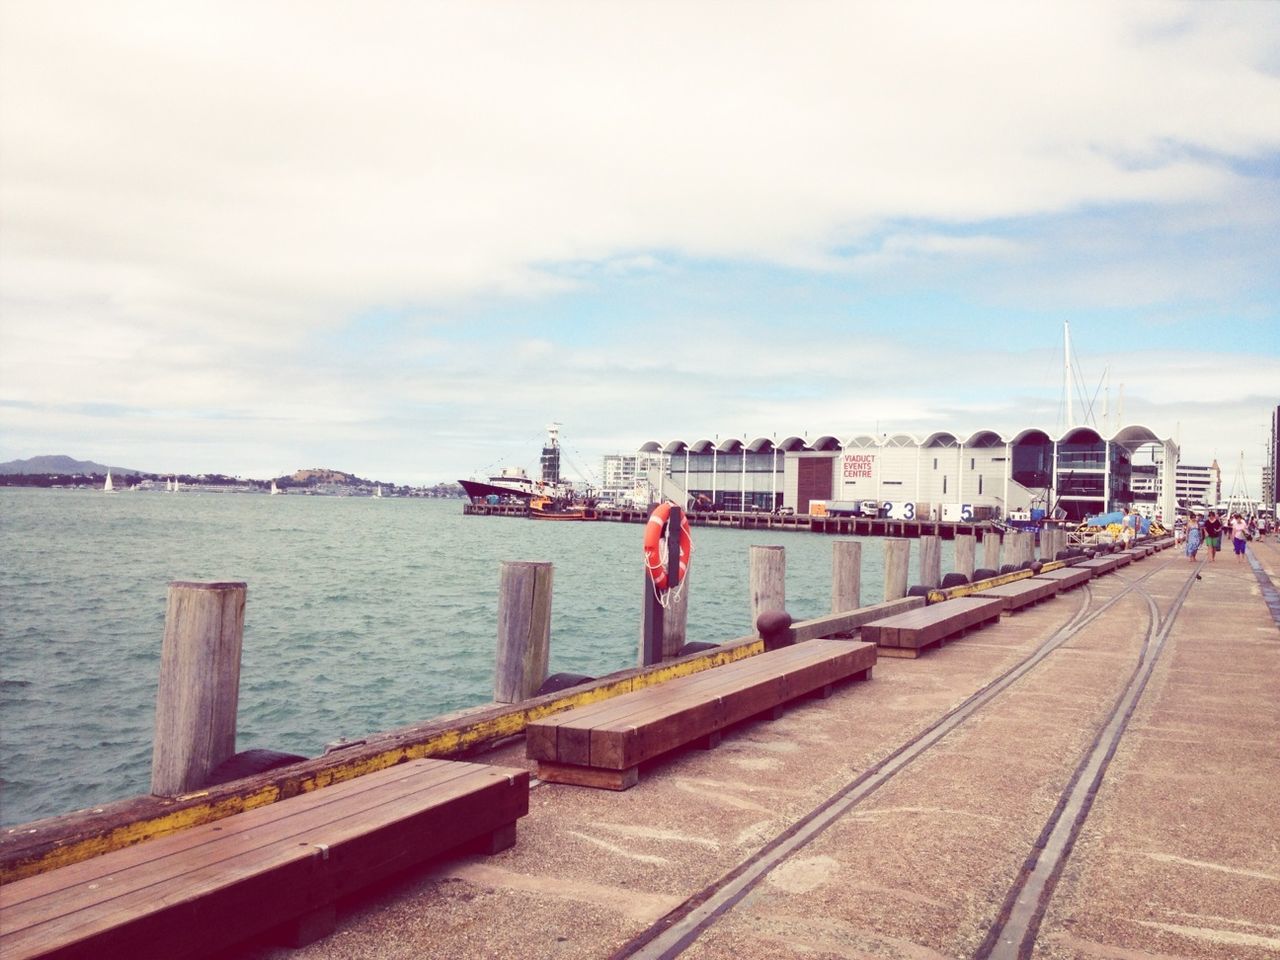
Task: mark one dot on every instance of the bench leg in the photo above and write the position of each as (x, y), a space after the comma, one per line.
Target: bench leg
(497, 840)
(774, 713)
(709, 742)
(309, 927)
(822, 693)
(588, 776)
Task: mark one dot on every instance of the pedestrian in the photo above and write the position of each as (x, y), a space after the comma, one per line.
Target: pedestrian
(1128, 528)
(1193, 536)
(1239, 536)
(1213, 534)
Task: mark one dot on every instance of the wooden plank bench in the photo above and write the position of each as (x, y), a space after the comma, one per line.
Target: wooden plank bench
(603, 744)
(907, 634)
(1021, 593)
(278, 868)
(1067, 577)
(1100, 565)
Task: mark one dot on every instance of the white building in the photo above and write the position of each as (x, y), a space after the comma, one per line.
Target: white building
(622, 473)
(1080, 472)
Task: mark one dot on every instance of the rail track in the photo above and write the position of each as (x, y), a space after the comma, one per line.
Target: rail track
(1013, 933)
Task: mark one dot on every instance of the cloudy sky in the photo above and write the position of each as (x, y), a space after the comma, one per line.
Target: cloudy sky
(399, 238)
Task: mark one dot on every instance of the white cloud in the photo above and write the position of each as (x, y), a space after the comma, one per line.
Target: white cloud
(199, 201)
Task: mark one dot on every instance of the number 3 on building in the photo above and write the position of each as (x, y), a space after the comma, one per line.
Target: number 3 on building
(908, 511)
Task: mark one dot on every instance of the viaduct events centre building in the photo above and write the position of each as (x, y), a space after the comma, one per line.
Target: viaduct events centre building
(1077, 473)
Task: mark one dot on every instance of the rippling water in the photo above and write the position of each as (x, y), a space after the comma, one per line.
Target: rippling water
(362, 615)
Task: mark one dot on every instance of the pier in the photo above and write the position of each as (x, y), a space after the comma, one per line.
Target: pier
(1091, 774)
(906, 817)
(740, 520)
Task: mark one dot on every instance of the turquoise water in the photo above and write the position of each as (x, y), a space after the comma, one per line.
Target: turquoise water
(362, 615)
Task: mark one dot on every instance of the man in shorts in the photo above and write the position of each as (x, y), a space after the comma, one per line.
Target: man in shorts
(1213, 534)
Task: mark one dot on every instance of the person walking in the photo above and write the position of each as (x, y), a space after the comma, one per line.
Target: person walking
(1193, 536)
(1213, 534)
(1239, 536)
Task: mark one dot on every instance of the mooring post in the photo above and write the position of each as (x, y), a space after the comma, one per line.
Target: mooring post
(897, 558)
(966, 553)
(675, 619)
(653, 615)
(199, 687)
(768, 580)
(1024, 547)
(991, 549)
(846, 575)
(524, 629)
(1050, 542)
(930, 561)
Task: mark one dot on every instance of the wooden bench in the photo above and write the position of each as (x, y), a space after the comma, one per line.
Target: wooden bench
(1100, 565)
(278, 868)
(603, 744)
(1067, 577)
(1021, 593)
(907, 634)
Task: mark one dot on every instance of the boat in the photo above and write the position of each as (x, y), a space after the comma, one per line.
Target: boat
(107, 487)
(559, 499)
(274, 489)
(377, 491)
(545, 508)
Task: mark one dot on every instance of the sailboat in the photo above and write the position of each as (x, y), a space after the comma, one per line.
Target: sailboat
(377, 491)
(107, 487)
(274, 489)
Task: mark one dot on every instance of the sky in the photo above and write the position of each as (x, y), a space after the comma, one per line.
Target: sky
(401, 238)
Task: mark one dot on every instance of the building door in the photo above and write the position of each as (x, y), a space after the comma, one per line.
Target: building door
(813, 481)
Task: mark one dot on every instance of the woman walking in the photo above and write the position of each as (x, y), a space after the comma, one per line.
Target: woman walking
(1239, 535)
(1193, 536)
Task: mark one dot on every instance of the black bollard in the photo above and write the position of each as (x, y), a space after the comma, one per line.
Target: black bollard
(774, 627)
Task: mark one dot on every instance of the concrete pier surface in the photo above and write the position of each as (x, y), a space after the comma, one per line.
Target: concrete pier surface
(857, 826)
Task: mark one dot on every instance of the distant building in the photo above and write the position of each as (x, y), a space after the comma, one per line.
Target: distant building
(952, 476)
(623, 472)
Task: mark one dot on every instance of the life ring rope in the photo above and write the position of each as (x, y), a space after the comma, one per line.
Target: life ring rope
(656, 555)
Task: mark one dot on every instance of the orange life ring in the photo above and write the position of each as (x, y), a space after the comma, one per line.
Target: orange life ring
(655, 537)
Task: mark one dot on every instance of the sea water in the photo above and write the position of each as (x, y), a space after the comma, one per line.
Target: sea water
(363, 615)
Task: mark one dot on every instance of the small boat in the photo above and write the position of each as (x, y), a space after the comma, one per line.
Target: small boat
(107, 487)
(274, 489)
(377, 491)
(544, 508)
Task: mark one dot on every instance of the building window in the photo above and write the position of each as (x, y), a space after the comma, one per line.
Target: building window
(935, 463)
(979, 484)
(944, 483)
(973, 463)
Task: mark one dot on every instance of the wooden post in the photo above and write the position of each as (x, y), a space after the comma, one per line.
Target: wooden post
(1048, 537)
(846, 575)
(675, 619)
(524, 629)
(991, 550)
(966, 553)
(199, 688)
(897, 558)
(930, 561)
(1023, 545)
(768, 580)
(654, 635)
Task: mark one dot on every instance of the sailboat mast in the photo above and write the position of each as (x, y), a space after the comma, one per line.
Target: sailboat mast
(1066, 372)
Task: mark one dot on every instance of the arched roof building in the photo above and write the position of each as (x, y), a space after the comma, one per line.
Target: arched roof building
(1077, 472)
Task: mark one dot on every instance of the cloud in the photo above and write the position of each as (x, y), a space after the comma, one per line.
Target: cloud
(345, 231)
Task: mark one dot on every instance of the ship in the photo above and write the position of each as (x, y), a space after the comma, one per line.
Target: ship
(549, 497)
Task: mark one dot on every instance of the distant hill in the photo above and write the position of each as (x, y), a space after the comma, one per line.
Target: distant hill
(59, 464)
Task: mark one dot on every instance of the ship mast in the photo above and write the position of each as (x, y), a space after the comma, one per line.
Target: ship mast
(1066, 372)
